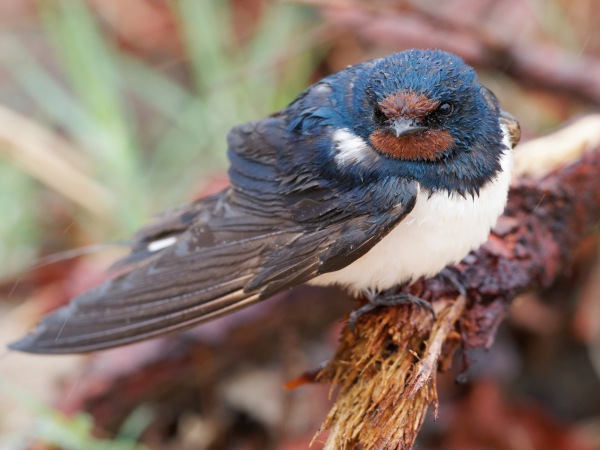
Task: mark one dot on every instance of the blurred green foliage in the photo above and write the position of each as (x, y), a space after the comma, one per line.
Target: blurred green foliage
(71, 433)
(151, 135)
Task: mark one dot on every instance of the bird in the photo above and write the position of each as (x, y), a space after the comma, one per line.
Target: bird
(379, 174)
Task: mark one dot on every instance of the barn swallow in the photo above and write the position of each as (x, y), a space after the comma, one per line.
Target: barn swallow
(377, 175)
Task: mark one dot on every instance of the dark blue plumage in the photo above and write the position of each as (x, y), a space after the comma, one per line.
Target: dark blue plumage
(348, 99)
(371, 177)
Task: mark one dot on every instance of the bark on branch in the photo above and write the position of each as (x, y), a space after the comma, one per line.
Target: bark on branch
(543, 65)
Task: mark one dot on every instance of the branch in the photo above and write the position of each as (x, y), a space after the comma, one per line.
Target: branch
(543, 66)
(51, 160)
(385, 370)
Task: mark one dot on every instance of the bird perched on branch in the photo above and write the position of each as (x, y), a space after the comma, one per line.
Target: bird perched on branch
(377, 175)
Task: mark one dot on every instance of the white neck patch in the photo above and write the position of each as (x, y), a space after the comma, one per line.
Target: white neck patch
(350, 149)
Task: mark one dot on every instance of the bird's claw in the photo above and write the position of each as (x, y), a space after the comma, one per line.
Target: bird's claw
(450, 277)
(376, 300)
(357, 313)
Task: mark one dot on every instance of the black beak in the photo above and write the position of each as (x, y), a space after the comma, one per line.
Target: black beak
(403, 127)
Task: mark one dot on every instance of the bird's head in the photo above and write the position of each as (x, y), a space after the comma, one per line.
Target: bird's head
(424, 113)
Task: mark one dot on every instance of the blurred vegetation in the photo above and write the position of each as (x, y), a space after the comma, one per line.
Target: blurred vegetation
(71, 433)
(150, 134)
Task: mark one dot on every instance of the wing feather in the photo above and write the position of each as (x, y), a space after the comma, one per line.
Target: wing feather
(275, 228)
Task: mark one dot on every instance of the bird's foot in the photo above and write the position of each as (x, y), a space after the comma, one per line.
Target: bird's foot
(450, 277)
(385, 298)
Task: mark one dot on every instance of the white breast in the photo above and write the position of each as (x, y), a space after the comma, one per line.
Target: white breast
(440, 230)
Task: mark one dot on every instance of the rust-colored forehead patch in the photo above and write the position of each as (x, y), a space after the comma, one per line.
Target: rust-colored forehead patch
(407, 104)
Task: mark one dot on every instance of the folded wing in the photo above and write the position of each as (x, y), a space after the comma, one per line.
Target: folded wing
(275, 228)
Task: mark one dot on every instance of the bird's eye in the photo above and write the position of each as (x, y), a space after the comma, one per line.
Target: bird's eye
(380, 117)
(445, 109)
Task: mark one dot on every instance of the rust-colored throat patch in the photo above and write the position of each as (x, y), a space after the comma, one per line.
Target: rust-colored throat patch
(430, 144)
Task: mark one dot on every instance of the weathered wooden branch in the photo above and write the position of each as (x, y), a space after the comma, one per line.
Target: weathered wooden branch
(385, 369)
(543, 66)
